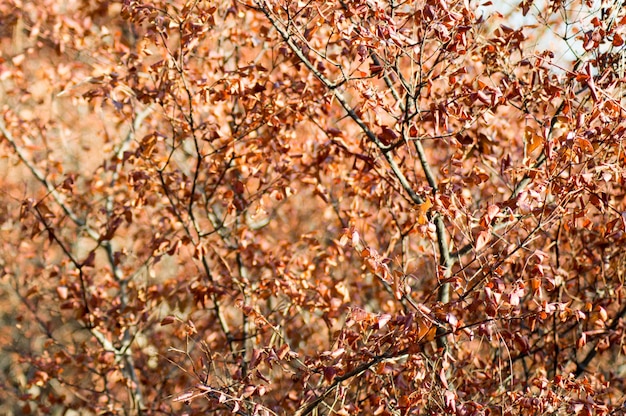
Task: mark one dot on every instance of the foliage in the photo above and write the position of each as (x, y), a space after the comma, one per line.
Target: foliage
(268, 207)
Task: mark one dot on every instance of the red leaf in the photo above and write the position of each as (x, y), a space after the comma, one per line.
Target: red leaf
(387, 136)
(167, 320)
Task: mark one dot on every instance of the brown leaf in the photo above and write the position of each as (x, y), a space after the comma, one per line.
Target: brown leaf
(168, 320)
(90, 260)
(387, 136)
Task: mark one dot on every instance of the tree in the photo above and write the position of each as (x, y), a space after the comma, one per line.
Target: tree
(328, 207)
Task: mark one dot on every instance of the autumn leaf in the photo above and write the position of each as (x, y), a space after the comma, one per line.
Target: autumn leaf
(422, 211)
(533, 140)
(387, 136)
(482, 239)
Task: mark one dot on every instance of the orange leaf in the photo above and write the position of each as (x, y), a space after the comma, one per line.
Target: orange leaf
(423, 210)
(533, 141)
(432, 332)
(585, 145)
(422, 330)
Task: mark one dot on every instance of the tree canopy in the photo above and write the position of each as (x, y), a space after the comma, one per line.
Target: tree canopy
(334, 207)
